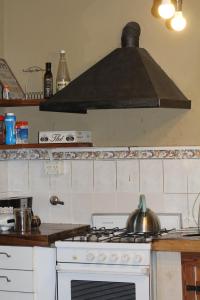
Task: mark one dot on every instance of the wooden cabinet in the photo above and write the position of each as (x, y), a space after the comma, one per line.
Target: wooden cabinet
(191, 276)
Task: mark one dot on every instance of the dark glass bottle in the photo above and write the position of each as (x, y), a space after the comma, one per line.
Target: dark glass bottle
(48, 82)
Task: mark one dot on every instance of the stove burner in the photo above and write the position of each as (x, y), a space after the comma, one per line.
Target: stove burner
(116, 235)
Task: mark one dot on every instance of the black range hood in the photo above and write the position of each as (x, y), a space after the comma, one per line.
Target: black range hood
(128, 77)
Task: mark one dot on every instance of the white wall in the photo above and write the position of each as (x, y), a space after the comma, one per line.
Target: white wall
(97, 186)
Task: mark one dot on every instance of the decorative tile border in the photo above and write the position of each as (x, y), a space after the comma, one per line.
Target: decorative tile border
(102, 153)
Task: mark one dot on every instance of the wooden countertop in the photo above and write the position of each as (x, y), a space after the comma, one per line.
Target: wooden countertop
(45, 235)
(177, 242)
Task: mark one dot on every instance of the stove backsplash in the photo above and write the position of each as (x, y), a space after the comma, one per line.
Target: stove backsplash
(104, 186)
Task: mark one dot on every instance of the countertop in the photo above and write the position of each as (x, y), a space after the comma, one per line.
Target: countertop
(45, 235)
(48, 233)
(185, 240)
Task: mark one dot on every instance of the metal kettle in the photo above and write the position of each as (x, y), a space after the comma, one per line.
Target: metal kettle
(143, 220)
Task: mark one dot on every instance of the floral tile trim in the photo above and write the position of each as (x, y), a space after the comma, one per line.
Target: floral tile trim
(101, 153)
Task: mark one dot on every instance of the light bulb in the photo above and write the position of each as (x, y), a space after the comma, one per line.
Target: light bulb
(166, 10)
(178, 22)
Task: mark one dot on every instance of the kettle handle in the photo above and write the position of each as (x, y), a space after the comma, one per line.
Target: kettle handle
(142, 204)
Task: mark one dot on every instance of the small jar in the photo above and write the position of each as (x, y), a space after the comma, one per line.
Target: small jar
(2, 130)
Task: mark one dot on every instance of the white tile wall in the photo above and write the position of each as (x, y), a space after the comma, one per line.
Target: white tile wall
(63, 182)
(128, 175)
(3, 178)
(18, 181)
(102, 186)
(175, 176)
(155, 201)
(82, 176)
(126, 202)
(193, 209)
(194, 176)
(177, 203)
(151, 176)
(104, 203)
(61, 213)
(105, 176)
(38, 180)
(82, 208)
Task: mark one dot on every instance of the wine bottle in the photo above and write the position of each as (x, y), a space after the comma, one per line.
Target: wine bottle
(48, 82)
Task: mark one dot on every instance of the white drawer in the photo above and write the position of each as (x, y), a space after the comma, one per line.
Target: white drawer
(12, 257)
(16, 296)
(15, 280)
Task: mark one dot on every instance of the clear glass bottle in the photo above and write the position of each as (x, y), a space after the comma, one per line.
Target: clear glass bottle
(62, 78)
(48, 82)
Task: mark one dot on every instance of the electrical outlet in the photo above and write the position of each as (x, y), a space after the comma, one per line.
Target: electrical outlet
(54, 167)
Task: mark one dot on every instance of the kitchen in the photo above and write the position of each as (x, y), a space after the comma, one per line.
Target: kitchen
(88, 30)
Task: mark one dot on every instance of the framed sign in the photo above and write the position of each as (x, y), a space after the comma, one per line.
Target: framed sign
(8, 78)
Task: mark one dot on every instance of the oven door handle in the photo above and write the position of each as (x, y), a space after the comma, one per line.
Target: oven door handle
(101, 269)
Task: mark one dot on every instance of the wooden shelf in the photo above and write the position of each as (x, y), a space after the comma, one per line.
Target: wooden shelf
(20, 102)
(28, 146)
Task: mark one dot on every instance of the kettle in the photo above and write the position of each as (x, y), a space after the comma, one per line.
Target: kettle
(143, 220)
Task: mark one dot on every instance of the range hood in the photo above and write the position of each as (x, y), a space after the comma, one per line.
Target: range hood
(128, 77)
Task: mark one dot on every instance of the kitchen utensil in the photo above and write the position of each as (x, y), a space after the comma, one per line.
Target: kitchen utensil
(23, 218)
(143, 220)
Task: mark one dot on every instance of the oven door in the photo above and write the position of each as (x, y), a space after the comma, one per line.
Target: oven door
(102, 282)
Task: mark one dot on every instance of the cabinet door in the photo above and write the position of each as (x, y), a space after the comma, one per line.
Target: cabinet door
(191, 276)
(16, 280)
(166, 276)
(16, 296)
(13, 257)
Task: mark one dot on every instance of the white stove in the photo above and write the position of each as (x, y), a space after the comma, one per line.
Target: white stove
(106, 263)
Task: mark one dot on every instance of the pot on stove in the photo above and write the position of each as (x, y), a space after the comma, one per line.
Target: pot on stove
(143, 220)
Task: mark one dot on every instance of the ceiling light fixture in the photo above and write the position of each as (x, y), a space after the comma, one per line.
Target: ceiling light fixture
(166, 9)
(178, 22)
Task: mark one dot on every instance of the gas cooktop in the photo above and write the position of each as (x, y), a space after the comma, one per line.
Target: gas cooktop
(115, 235)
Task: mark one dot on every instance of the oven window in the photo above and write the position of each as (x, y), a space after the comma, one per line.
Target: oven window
(104, 290)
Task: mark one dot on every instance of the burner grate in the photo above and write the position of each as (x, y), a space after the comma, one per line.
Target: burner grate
(116, 235)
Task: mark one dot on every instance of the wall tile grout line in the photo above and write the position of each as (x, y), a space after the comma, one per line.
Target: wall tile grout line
(116, 179)
(163, 173)
(93, 175)
(139, 169)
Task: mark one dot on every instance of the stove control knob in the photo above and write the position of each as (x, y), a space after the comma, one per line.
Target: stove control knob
(137, 258)
(101, 257)
(90, 256)
(114, 257)
(125, 258)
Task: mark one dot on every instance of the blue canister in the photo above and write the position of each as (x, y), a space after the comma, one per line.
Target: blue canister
(10, 120)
